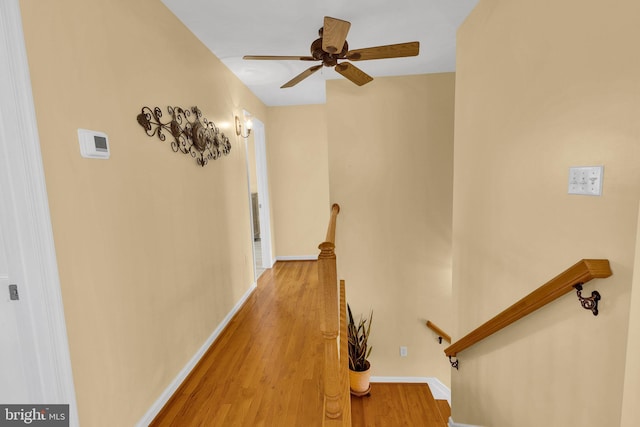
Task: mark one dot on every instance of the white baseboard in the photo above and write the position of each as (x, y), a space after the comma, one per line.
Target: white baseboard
(438, 389)
(297, 258)
(454, 424)
(173, 386)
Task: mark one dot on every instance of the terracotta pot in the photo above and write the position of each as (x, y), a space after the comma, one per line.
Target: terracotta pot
(359, 381)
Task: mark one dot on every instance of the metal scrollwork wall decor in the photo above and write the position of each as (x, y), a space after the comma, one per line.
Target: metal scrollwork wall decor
(195, 135)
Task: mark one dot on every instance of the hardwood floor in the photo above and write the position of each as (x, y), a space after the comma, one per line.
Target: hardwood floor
(396, 405)
(265, 368)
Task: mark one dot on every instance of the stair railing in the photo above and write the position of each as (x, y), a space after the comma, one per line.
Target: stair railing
(571, 279)
(337, 410)
(442, 335)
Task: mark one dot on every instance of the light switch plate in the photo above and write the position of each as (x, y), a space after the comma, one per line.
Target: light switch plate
(586, 180)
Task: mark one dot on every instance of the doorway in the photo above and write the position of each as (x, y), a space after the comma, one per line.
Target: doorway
(259, 197)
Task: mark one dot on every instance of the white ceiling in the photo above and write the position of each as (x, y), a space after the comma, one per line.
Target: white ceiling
(231, 29)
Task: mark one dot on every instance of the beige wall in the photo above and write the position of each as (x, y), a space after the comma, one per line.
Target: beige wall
(153, 250)
(298, 176)
(390, 169)
(630, 408)
(542, 86)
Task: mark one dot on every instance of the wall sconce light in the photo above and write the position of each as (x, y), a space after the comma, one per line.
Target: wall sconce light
(248, 125)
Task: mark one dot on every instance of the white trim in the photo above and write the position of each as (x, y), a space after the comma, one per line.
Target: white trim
(177, 381)
(454, 424)
(438, 389)
(33, 224)
(250, 201)
(297, 258)
(262, 174)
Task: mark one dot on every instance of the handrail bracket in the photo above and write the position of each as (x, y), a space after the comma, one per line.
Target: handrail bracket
(588, 303)
(454, 363)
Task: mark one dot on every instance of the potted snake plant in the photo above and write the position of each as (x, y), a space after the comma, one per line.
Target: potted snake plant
(359, 351)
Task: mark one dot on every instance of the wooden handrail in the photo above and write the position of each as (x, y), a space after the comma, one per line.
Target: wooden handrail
(331, 229)
(580, 273)
(441, 334)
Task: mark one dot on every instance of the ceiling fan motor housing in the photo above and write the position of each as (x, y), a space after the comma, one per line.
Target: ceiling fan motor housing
(328, 59)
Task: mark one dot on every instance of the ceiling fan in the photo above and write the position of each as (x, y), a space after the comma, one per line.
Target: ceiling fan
(332, 47)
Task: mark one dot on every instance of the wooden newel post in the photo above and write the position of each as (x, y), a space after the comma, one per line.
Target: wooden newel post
(327, 276)
(328, 280)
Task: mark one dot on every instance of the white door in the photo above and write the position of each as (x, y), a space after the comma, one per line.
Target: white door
(13, 379)
(35, 365)
(18, 380)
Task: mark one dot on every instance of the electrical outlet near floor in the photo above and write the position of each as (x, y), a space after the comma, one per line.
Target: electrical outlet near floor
(403, 351)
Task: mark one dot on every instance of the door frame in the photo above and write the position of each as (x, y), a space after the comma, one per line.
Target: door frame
(264, 206)
(23, 186)
(263, 192)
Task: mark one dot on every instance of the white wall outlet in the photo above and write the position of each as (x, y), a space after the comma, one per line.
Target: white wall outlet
(586, 180)
(403, 351)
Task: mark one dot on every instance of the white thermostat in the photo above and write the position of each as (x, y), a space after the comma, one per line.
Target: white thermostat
(93, 144)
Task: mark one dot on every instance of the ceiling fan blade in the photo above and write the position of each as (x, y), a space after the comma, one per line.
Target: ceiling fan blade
(387, 51)
(353, 73)
(280, 58)
(334, 34)
(300, 77)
